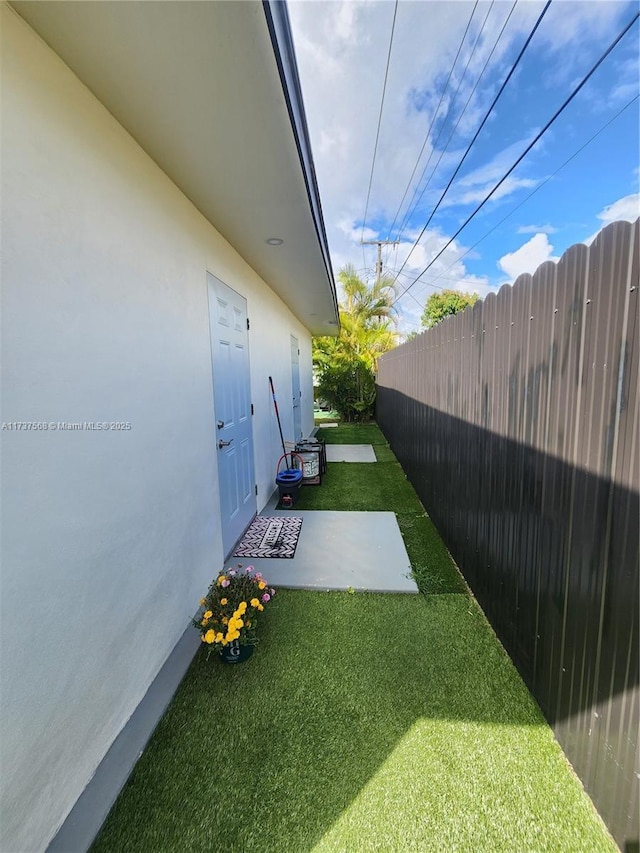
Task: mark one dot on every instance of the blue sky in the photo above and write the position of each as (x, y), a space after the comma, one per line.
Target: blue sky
(342, 53)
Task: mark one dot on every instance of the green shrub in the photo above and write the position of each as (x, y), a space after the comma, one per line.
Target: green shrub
(349, 386)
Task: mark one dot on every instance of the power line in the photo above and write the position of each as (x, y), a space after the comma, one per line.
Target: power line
(364, 260)
(449, 110)
(533, 192)
(413, 206)
(438, 276)
(482, 124)
(428, 284)
(527, 149)
(391, 246)
(417, 301)
(379, 244)
(433, 118)
(375, 148)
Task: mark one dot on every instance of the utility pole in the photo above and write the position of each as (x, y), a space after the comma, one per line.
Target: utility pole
(379, 244)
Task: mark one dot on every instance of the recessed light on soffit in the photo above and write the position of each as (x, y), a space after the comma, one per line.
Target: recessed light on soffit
(274, 241)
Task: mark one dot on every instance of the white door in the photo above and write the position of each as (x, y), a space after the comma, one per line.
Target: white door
(231, 393)
(296, 393)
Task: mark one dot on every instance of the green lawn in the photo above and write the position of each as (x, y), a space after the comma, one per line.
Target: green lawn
(354, 434)
(383, 487)
(321, 416)
(363, 722)
(374, 486)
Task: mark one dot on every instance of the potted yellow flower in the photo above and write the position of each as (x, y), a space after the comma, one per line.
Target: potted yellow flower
(230, 611)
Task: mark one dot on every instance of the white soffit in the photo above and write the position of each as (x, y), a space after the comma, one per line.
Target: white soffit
(197, 85)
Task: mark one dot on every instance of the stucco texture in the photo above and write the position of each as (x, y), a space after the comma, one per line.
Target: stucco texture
(109, 537)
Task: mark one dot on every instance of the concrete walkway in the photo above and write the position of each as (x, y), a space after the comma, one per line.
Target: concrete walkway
(350, 453)
(341, 550)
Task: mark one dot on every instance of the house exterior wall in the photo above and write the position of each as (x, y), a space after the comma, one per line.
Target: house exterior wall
(111, 536)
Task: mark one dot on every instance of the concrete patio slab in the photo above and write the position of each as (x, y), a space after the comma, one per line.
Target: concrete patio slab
(327, 426)
(350, 453)
(339, 550)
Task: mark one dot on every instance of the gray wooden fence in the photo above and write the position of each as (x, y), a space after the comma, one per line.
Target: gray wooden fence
(517, 423)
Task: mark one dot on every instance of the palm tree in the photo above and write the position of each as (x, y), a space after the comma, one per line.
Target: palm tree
(367, 341)
(369, 303)
(345, 365)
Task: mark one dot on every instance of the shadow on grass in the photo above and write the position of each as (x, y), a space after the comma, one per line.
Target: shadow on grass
(550, 549)
(357, 725)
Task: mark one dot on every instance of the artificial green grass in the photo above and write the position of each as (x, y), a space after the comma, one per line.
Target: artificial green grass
(384, 453)
(353, 434)
(360, 434)
(362, 723)
(383, 487)
(379, 486)
(321, 416)
(432, 567)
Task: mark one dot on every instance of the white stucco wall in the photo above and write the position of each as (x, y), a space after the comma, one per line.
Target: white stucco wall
(109, 537)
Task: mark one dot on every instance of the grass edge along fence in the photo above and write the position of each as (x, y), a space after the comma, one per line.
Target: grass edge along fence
(517, 423)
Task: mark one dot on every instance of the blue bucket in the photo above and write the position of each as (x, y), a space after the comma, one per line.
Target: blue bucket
(288, 482)
(289, 477)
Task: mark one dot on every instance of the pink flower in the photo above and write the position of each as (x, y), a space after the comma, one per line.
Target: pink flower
(266, 597)
(232, 573)
(258, 574)
(272, 591)
(225, 582)
(249, 569)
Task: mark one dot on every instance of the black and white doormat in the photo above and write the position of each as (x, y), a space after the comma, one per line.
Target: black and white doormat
(270, 536)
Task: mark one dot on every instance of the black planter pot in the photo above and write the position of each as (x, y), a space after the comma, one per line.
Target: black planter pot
(236, 653)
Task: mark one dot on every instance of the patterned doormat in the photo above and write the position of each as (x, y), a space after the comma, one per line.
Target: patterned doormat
(270, 536)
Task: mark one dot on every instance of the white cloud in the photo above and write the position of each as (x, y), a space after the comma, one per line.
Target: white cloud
(447, 273)
(628, 76)
(528, 257)
(536, 229)
(627, 208)
(509, 186)
(477, 184)
(579, 24)
(356, 234)
(624, 92)
(494, 169)
(341, 48)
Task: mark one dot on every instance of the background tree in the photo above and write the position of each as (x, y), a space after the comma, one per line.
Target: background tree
(345, 365)
(443, 303)
(369, 303)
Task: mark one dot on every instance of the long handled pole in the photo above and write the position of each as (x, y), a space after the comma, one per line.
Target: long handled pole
(275, 405)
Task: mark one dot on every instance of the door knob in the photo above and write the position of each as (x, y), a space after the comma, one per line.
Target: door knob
(222, 443)
(220, 424)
